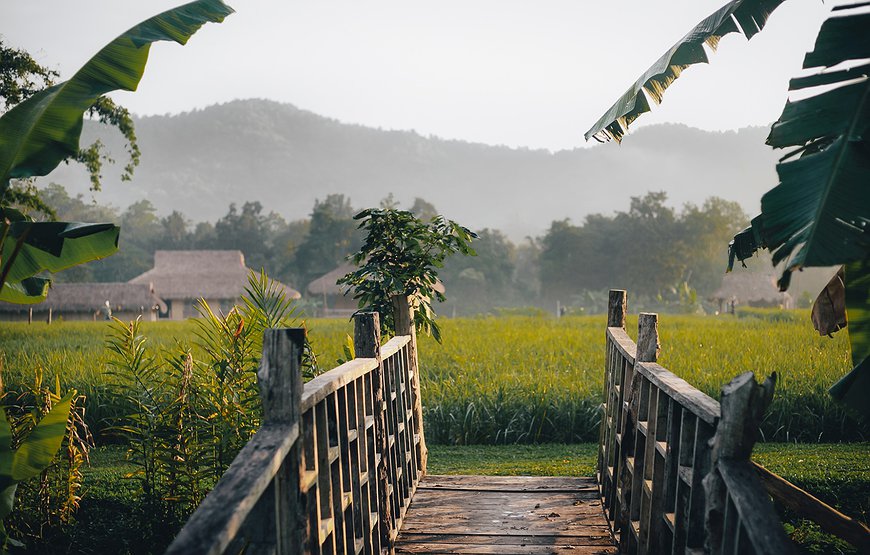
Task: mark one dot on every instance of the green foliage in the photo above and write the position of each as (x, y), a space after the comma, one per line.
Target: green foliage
(745, 16)
(474, 390)
(651, 249)
(190, 409)
(28, 445)
(43, 130)
(48, 502)
(40, 132)
(399, 257)
(28, 248)
(21, 77)
(332, 236)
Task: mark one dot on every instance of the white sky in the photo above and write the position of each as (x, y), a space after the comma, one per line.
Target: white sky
(533, 73)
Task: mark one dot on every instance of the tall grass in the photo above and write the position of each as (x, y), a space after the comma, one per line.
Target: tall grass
(522, 378)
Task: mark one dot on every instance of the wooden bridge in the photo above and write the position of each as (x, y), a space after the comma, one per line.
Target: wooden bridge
(339, 465)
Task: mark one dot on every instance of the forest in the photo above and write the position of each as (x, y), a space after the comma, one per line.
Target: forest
(683, 250)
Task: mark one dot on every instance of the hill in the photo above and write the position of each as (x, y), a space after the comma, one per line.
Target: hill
(200, 161)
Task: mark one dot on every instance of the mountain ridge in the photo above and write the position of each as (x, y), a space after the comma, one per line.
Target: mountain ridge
(200, 161)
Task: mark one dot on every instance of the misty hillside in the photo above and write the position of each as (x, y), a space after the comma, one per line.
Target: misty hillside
(200, 161)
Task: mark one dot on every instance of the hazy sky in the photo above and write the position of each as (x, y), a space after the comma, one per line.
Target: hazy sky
(532, 73)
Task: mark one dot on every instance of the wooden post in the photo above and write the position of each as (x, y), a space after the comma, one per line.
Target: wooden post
(743, 403)
(616, 308)
(648, 346)
(30, 315)
(367, 344)
(403, 316)
(277, 521)
(48, 320)
(647, 351)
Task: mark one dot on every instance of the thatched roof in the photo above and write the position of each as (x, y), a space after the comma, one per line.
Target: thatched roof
(325, 284)
(200, 274)
(90, 297)
(747, 287)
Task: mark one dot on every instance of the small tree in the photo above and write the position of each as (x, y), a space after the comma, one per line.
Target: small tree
(399, 257)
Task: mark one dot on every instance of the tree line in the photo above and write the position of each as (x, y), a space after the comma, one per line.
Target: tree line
(669, 258)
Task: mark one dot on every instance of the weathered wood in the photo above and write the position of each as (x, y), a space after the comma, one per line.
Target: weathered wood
(623, 343)
(483, 514)
(279, 378)
(617, 306)
(648, 346)
(367, 344)
(763, 529)
(805, 505)
(403, 316)
(697, 402)
(508, 483)
(221, 515)
(259, 494)
(737, 508)
(280, 522)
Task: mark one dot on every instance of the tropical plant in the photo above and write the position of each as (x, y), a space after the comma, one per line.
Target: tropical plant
(40, 132)
(28, 455)
(188, 416)
(819, 213)
(399, 257)
(53, 496)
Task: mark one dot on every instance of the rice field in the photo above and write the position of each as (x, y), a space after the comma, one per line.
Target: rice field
(520, 379)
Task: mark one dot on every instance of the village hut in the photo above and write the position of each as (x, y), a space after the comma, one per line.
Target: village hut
(750, 289)
(90, 301)
(337, 301)
(181, 278)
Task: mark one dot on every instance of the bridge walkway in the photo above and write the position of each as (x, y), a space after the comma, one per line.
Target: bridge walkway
(508, 515)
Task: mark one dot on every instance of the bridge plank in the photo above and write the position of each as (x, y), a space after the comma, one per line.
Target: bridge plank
(505, 515)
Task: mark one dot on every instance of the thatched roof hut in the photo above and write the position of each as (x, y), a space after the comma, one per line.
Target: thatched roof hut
(182, 277)
(86, 301)
(326, 284)
(750, 288)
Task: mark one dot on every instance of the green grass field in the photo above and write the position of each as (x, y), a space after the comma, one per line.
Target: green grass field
(505, 380)
(521, 379)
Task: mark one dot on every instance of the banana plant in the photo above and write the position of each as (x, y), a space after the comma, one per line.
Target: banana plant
(33, 454)
(39, 133)
(819, 213)
(744, 16)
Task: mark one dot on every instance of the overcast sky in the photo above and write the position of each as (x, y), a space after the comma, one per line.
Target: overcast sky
(533, 73)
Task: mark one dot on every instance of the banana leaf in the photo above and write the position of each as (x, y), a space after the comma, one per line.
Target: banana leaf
(819, 214)
(30, 248)
(36, 135)
(745, 16)
(41, 444)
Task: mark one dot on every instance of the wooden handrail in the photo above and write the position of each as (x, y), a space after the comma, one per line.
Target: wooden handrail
(222, 514)
(335, 465)
(655, 454)
(805, 505)
(753, 511)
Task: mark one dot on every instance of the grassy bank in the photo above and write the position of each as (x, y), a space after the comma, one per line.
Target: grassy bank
(520, 379)
(112, 520)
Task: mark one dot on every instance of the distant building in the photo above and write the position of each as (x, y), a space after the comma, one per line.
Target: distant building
(90, 301)
(181, 278)
(743, 288)
(333, 300)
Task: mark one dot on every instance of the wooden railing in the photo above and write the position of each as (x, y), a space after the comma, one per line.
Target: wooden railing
(655, 453)
(336, 462)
